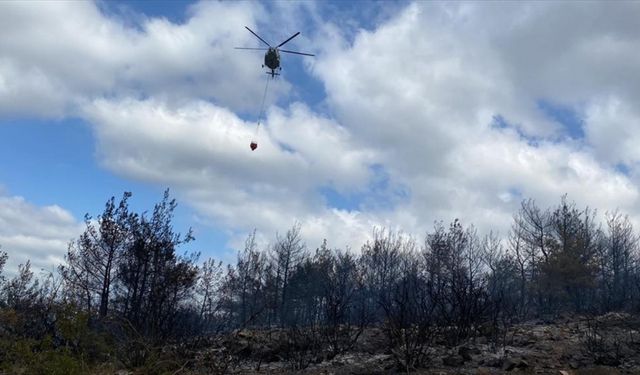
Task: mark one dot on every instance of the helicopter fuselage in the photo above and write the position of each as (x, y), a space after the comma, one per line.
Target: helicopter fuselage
(272, 59)
(272, 56)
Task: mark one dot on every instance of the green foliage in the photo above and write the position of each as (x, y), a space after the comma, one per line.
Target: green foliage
(70, 346)
(56, 362)
(28, 356)
(74, 333)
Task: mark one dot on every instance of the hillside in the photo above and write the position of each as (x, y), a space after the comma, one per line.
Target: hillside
(608, 344)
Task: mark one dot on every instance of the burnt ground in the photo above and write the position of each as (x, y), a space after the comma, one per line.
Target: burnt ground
(608, 344)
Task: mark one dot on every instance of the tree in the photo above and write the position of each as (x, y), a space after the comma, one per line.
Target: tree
(555, 253)
(452, 260)
(245, 285)
(530, 231)
(3, 261)
(286, 254)
(208, 288)
(92, 261)
(21, 291)
(379, 264)
(409, 321)
(569, 270)
(154, 282)
(504, 288)
(617, 250)
(22, 302)
(342, 295)
(523, 264)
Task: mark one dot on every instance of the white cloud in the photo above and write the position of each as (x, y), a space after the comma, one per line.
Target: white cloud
(56, 56)
(612, 128)
(37, 233)
(567, 51)
(202, 151)
(424, 88)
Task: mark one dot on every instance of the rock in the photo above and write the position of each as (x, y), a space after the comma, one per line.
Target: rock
(487, 330)
(466, 352)
(615, 316)
(528, 341)
(510, 364)
(544, 347)
(243, 349)
(453, 361)
(607, 360)
(244, 334)
(388, 365)
(492, 362)
(317, 359)
(268, 354)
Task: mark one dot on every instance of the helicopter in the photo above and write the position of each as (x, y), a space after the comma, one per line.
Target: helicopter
(272, 56)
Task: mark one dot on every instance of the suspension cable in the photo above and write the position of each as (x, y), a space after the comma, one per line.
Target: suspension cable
(264, 98)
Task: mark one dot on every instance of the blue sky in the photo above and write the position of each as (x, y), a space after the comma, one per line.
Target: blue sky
(392, 124)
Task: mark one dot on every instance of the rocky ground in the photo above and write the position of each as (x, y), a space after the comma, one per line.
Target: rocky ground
(608, 344)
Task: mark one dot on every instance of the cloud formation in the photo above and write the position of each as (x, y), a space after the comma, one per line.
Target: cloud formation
(202, 150)
(431, 113)
(39, 234)
(452, 103)
(57, 56)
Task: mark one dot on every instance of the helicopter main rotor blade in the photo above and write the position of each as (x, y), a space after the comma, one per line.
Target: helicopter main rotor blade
(257, 36)
(261, 49)
(294, 52)
(292, 36)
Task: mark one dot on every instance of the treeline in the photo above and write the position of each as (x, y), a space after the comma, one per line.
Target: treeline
(124, 286)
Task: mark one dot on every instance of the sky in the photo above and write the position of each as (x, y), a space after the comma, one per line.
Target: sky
(410, 113)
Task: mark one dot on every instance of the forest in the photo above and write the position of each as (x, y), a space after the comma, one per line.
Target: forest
(127, 296)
